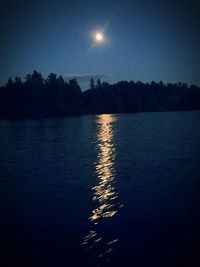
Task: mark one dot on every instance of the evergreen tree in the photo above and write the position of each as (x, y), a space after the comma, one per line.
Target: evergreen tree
(9, 83)
(99, 83)
(92, 83)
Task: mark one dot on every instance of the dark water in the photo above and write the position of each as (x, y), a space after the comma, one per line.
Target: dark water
(107, 190)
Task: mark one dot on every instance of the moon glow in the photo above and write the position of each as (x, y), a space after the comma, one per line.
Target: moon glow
(99, 37)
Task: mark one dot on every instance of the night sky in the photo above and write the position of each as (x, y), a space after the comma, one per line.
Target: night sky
(144, 40)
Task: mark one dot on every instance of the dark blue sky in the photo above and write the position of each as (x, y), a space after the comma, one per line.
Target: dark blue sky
(145, 40)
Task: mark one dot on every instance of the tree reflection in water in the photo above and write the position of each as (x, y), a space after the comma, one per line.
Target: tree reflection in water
(99, 241)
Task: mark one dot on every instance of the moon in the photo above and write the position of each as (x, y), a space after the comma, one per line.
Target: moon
(98, 37)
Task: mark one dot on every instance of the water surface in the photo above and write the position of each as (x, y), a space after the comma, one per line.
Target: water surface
(105, 190)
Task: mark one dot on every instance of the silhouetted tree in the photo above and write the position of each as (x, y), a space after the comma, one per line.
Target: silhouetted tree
(18, 81)
(9, 83)
(61, 80)
(39, 97)
(105, 84)
(28, 78)
(51, 79)
(74, 83)
(91, 83)
(98, 84)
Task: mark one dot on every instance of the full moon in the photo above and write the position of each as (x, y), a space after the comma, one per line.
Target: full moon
(98, 37)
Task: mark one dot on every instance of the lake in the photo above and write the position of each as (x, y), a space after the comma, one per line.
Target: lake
(104, 190)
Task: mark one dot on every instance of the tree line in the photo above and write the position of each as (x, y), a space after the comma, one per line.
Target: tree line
(37, 97)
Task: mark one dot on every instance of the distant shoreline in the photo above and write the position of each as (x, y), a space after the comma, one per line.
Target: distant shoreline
(37, 97)
(89, 114)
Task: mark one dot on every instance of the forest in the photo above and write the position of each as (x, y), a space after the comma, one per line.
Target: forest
(36, 97)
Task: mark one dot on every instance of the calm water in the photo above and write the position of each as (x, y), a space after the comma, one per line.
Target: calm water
(107, 190)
